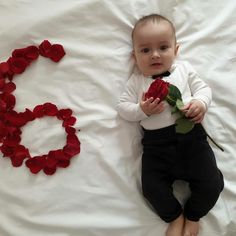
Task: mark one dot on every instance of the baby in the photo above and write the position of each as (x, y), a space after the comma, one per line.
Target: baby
(168, 155)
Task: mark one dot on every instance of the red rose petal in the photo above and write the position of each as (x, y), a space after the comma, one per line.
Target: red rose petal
(3, 105)
(69, 121)
(16, 162)
(7, 100)
(32, 53)
(16, 119)
(3, 131)
(64, 113)
(36, 164)
(51, 162)
(2, 83)
(56, 52)
(70, 130)
(9, 87)
(63, 164)
(22, 151)
(17, 65)
(38, 111)
(12, 141)
(6, 150)
(49, 171)
(4, 67)
(71, 150)
(50, 109)
(58, 155)
(44, 48)
(19, 52)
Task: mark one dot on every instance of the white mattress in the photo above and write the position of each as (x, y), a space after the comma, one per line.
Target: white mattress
(99, 194)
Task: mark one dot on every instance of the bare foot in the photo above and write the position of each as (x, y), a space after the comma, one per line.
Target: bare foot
(175, 227)
(191, 228)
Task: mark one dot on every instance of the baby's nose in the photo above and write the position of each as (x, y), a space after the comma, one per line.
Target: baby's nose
(155, 54)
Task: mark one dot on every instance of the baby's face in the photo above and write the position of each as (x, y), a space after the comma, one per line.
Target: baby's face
(154, 47)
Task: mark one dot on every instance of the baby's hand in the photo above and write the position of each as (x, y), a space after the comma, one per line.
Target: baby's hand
(151, 106)
(195, 110)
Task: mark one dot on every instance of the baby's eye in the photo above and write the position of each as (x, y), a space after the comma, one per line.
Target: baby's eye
(164, 47)
(145, 50)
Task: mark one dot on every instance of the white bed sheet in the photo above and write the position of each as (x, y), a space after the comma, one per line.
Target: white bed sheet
(99, 193)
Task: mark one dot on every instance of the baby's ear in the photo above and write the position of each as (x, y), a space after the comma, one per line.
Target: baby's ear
(176, 49)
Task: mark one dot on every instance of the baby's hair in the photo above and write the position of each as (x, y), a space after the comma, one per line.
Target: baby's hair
(153, 18)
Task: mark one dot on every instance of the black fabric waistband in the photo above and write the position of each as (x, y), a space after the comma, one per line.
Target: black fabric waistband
(169, 131)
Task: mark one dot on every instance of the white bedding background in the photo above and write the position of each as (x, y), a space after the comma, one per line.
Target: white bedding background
(99, 193)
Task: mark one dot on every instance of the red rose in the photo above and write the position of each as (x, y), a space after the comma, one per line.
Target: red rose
(158, 89)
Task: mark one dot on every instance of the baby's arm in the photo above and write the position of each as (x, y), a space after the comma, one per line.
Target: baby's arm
(201, 94)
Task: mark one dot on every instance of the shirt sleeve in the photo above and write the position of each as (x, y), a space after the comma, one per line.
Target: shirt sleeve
(199, 89)
(128, 104)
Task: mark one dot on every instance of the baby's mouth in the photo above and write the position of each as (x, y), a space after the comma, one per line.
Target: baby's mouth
(156, 64)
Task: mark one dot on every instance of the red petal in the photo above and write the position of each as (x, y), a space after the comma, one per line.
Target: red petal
(70, 130)
(17, 65)
(12, 141)
(3, 131)
(44, 48)
(49, 171)
(8, 99)
(20, 52)
(38, 111)
(28, 114)
(2, 83)
(69, 121)
(71, 150)
(16, 119)
(51, 162)
(16, 162)
(9, 87)
(35, 164)
(32, 53)
(21, 151)
(63, 164)
(4, 67)
(13, 131)
(64, 113)
(3, 105)
(56, 52)
(7, 151)
(50, 109)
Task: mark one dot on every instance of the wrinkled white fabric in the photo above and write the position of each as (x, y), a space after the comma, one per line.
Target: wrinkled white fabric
(99, 193)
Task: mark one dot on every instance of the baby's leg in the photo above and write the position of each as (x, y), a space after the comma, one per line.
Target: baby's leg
(175, 227)
(191, 228)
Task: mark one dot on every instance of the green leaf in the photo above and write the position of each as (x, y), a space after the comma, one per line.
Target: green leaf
(174, 110)
(170, 100)
(173, 95)
(183, 125)
(174, 92)
(179, 104)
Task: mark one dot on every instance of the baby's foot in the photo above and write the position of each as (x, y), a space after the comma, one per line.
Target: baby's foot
(191, 228)
(175, 227)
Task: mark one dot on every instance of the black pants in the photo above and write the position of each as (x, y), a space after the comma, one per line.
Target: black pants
(167, 157)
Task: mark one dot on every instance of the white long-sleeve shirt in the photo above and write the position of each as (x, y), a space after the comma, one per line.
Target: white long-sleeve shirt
(182, 75)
